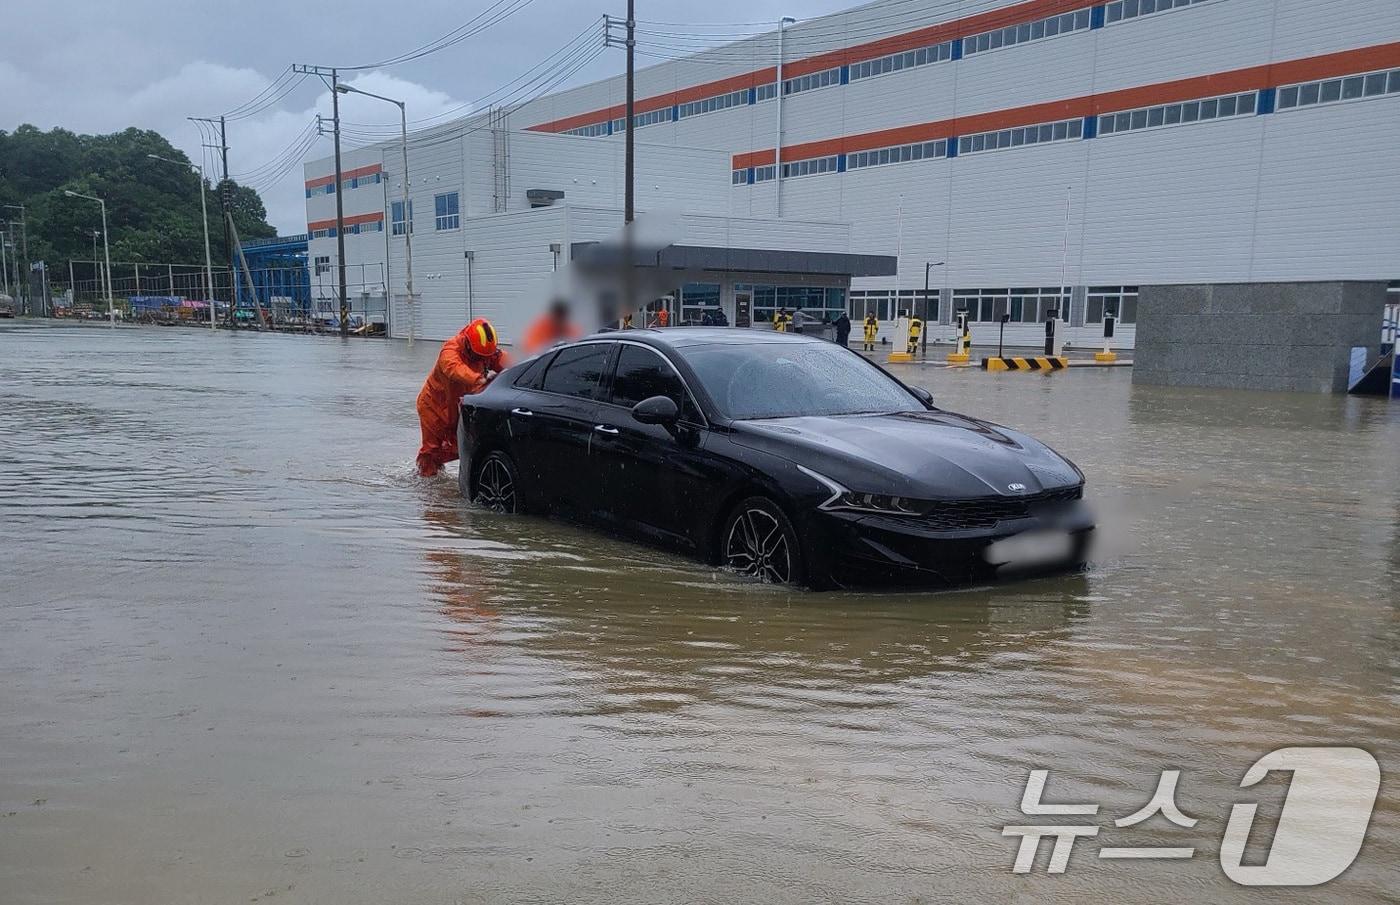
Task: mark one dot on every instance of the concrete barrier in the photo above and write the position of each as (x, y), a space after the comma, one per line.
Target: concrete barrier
(1037, 363)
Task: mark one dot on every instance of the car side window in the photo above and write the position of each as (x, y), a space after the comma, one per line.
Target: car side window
(577, 371)
(642, 374)
(533, 375)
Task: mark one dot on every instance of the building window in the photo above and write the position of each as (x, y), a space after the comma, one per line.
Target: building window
(740, 177)
(895, 62)
(1065, 130)
(698, 300)
(765, 92)
(928, 150)
(822, 302)
(1132, 9)
(765, 174)
(887, 305)
(445, 211)
(397, 226)
(1026, 305)
(811, 167)
(1177, 114)
(589, 131)
(1115, 301)
(1078, 20)
(711, 104)
(1330, 91)
(812, 82)
(323, 264)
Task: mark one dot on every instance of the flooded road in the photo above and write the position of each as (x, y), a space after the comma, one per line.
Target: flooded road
(246, 655)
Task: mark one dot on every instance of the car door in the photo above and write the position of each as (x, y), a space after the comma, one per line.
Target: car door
(652, 478)
(562, 417)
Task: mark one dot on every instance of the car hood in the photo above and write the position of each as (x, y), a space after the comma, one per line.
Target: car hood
(926, 455)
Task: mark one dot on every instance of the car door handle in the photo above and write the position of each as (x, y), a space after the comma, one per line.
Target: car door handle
(524, 413)
(604, 429)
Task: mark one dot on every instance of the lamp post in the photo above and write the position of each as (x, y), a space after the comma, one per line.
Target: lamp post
(783, 23)
(407, 217)
(923, 344)
(106, 251)
(204, 212)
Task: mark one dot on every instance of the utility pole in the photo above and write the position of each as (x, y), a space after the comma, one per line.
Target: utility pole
(225, 201)
(334, 85)
(629, 174)
(783, 23)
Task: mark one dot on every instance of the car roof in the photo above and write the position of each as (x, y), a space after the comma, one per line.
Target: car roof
(684, 337)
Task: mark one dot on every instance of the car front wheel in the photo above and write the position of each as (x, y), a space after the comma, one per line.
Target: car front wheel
(496, 485)
(759, 541)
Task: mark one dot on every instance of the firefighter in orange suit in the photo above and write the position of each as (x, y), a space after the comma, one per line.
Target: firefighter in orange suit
(466, 364)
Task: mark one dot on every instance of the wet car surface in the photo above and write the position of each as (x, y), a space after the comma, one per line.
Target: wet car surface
(245, 653)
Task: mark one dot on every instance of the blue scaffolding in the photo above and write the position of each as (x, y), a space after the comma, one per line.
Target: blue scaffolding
(279, 268)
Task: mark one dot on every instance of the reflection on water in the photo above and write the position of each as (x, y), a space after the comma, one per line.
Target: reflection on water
(245, 653)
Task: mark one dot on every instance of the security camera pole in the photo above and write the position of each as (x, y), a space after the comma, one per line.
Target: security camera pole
(923, 340)
(106, 252)
(407, 220)
(204, 211)
(23, 287)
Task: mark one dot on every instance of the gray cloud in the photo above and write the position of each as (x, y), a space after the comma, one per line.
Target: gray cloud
(98, 67)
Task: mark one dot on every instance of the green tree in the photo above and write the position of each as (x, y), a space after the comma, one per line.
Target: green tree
(153, 211)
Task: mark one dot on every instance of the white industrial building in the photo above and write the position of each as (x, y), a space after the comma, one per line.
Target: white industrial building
(1000, 151)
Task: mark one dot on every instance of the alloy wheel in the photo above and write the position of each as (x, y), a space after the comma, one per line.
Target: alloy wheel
(758, 547)
(495, 487)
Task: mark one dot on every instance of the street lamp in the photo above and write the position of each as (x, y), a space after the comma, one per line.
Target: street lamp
(106, 251)
(923, 345)
(783, 23)
(204, 210)
(407, 216)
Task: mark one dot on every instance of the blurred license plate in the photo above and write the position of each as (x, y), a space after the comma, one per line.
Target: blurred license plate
(1031, 549)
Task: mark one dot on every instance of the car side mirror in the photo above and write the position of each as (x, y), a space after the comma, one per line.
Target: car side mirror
(657, 410)
(923, 395)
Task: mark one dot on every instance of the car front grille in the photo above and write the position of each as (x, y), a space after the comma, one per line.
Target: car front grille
(988, 512)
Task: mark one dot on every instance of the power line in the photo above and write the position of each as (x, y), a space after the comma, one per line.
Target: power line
(498, 11)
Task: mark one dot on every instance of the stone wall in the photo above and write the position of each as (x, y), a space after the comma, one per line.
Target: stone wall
(1294, 337)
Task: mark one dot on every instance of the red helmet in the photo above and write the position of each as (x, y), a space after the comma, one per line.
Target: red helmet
(481, 337)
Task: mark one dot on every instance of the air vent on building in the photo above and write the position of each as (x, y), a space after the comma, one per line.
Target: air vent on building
(543, 197)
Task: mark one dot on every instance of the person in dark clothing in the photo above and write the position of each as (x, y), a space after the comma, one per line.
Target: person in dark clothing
(843, 330)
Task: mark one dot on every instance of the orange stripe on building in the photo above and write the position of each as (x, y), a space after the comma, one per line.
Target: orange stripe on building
(1253, 78)
(1018, 14)
(353, 220)
(345, 174)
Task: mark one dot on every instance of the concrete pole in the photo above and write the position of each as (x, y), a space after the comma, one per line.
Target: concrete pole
(107, 259)
(208, 260)
(407, 220)
(339, 208)
(778, 143)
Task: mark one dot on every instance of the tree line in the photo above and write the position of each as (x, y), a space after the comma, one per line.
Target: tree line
(153, 209)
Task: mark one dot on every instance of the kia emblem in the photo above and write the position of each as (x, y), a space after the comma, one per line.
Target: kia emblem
(1015, 488)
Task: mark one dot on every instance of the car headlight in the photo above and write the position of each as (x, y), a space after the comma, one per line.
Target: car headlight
(847, 500)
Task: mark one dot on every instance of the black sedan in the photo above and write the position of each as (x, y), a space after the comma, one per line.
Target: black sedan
(781, 457)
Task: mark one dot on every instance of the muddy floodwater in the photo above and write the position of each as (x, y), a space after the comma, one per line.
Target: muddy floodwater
(247, 656)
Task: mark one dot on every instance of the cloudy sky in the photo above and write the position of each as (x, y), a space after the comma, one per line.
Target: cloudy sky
(99, 66)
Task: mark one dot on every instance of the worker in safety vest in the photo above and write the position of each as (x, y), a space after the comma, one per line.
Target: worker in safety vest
(872, 330)
(554, 326)
(916, 327)
(627, 321)
(466, 364)
(663, 318)
(781, 319)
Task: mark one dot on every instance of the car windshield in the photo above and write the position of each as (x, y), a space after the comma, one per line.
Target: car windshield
(784, 380)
